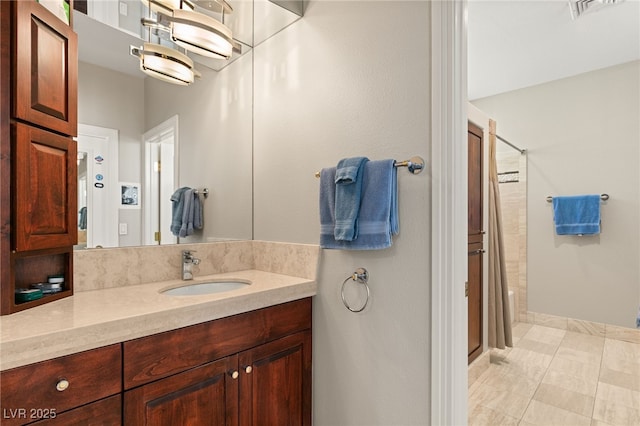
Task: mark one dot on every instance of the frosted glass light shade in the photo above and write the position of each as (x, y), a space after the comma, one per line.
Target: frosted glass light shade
(201, 34)
(166, 64)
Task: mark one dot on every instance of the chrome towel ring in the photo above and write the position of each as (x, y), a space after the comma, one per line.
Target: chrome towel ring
(360, 276)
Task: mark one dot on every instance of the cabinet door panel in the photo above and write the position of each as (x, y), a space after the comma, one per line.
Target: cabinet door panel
(206, 395)
(474, 319)
(47, 67)
(475, 176)
(45, 179)
(107, 412)
(277, 388)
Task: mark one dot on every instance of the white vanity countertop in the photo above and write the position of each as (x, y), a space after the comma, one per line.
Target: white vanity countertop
(92, 319)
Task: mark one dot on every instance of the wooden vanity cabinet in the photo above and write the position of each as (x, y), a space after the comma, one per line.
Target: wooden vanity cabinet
(64, 390)
(248, 369)
(38, 112)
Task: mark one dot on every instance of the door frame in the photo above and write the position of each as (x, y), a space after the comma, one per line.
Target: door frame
(448, 212)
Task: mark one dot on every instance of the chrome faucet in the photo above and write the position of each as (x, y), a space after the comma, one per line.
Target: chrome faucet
(188, 260)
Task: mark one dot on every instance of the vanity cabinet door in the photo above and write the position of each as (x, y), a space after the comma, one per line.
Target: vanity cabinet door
(275, 382)
(205, 395)
(46, 64)
(45, 189)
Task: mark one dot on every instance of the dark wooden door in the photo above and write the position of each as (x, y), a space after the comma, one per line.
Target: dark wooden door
(46, 61)
(475, 237)
(275, 383)
(45, 189)
(203, 396)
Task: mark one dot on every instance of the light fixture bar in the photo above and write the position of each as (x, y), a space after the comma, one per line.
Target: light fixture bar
(168, 6)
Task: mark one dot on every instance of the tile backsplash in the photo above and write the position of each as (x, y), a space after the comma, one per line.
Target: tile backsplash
(96, 269)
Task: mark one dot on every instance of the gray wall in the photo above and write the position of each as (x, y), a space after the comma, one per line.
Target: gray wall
(215, 134)
(115, 100)
(353, 78)
(583, 136)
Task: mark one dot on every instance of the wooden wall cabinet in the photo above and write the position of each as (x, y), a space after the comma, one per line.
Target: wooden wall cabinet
(38, 111)
(475, 237)
(45, 179)
(46, 66)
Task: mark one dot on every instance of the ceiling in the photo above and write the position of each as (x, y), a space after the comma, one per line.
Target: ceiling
(519, 43)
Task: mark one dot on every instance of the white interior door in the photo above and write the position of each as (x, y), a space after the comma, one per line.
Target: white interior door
(160, 181)
(100, 146)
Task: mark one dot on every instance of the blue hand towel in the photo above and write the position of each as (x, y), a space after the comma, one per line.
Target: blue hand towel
(577, 214)
(327, 207)
(378, 217)
(177, 210)
(187, 213)
(348, 182)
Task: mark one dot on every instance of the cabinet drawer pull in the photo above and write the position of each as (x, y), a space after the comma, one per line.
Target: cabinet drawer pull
(234, 374)
(248, 369)
(62, 385)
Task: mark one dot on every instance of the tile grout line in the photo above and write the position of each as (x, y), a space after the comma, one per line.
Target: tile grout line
(593, 409)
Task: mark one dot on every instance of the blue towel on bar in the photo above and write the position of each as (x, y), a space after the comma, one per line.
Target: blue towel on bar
(348, 182)
(577, 214)
(177, 200)
(378, 218)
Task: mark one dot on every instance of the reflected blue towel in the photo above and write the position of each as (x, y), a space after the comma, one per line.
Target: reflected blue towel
(378, 218)
(577, 214)
(177, 207)
(188, 213)
(348, 182)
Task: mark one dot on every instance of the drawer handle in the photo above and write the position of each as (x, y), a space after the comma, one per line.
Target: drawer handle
(62, 385)
(248, 369)
(234, 374)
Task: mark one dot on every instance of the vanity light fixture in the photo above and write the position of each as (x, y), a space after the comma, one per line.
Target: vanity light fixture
(199, 33)
(165, 64)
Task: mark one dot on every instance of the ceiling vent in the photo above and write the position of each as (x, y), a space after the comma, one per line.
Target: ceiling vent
(579, 7)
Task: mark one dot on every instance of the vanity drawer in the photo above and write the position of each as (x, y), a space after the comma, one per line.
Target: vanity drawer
(154, 357)
(35, 391)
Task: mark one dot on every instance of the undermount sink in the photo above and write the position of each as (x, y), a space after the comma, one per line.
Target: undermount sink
(206, 287)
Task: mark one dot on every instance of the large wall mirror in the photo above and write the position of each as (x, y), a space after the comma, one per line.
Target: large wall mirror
(141, 139)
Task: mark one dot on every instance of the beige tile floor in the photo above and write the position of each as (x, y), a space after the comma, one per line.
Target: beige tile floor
(557, 377)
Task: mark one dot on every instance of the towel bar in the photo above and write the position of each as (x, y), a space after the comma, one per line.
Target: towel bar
(603, 197)
(205, 192)
(415, 165)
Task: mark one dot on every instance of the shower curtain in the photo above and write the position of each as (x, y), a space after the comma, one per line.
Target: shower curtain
(499, 316)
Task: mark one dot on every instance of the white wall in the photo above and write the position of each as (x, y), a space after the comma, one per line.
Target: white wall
(582, 135)
(215, 133)
(352, 78)
(115, 100)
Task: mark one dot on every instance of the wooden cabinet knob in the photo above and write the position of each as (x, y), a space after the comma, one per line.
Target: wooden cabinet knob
(234, 374)
(62, 385)
(248, 369)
